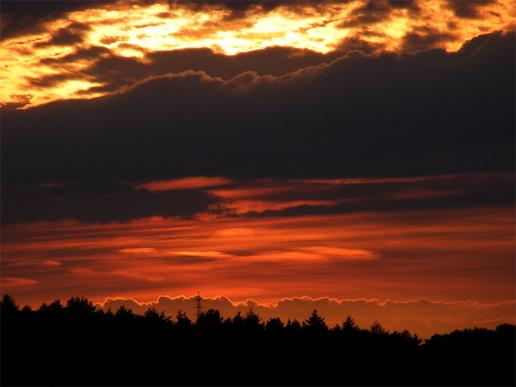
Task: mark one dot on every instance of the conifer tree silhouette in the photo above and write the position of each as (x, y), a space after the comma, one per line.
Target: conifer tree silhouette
(55, 344)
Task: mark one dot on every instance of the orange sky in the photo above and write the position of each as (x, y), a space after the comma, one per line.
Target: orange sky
(183, 181)
(241, 249)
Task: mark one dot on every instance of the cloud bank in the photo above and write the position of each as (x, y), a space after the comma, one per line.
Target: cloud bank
(419, 316)
(429, 113)
(54, 51)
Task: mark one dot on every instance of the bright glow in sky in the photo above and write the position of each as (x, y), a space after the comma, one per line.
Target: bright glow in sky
(132, 30)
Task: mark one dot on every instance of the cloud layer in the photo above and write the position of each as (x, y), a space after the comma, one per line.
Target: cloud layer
(358, 116)
(449, 254)
(55, 51)
(262, 198)
(420, 316)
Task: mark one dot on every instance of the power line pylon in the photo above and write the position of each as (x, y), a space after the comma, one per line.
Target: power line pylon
(198, 305)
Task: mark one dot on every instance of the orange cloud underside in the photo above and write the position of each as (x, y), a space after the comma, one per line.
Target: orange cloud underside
(133, 30)
(184, 183)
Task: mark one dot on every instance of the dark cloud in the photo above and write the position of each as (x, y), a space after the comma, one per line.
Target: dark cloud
(186, 260)
(429, 113)
(424, 38)
(69, 35)
(53, 79)
(20, 100)
(29, 16)
(92, 52)
(239, 8)
(103, 202)
(371, 12)
(374, 11)
(273, 61)
(114, 72)
(468, 8)
(440, 192)
(406, 4)
(386, 204)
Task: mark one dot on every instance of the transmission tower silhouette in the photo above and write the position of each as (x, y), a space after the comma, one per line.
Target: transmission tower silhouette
(198, 305)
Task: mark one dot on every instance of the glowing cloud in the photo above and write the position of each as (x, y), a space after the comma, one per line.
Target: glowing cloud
(55, 62)
(184, 183)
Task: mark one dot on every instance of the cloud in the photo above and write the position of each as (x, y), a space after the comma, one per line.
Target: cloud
(15, 282)
(195, 182)
(468, 8)
(432, 254)
(418, 316)
(462, 191)
(144, 39)
(99, 202)
(223, 197)
(111, 71)
(29, 16)
(296, 197)
(69, 35)
(139, 250)
(358, 116)
(372, 11)
(90, 52)
(424, 38)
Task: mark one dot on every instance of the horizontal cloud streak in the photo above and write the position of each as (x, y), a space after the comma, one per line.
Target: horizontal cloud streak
(224, 197)
(451, 254)
(104, 202)
(184, 183)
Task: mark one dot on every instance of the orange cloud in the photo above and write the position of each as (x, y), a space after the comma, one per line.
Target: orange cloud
(341, 253)
(16, 282)
(432, 254)
(184, 183)
(138, 250)
(434, 248)
(35, 70)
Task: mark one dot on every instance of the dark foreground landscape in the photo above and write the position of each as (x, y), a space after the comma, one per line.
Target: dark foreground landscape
(78, 344)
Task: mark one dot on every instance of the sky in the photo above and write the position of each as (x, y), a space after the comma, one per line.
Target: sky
(351, 156)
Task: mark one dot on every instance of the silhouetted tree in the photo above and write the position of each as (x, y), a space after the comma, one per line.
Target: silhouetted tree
(152, 315)
(315, 323)
(209, 320)
(53, 308)
(124, 314)
(293, 325)
(252, 322)
(274, 325)
(377, 329)
(80, 306)
(349, 326)
(182, 321)
(8, 305)
(54, 345)
(237, 320)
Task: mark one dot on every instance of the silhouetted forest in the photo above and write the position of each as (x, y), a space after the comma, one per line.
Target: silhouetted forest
(79, 344)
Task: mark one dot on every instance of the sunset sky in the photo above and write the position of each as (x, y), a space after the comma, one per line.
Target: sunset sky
(344, 152)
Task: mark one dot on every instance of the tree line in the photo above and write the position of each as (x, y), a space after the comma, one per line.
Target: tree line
(80, 344)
